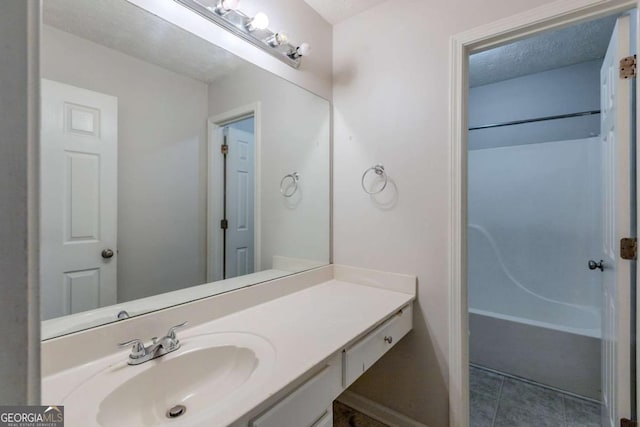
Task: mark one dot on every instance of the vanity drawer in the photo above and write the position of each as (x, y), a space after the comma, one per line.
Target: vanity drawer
(307, 405)
(360, 356)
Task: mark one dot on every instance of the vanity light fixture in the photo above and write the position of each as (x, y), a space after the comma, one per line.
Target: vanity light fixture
(226, 14)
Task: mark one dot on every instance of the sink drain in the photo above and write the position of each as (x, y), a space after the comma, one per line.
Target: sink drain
(176, 411)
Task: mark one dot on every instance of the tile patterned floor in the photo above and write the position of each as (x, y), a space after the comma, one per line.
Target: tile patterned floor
(499, 401)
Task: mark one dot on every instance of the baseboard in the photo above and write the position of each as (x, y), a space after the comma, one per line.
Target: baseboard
(377, 411)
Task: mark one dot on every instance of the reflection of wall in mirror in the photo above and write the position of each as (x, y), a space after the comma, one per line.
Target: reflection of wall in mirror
(161, 161)
(295, 135)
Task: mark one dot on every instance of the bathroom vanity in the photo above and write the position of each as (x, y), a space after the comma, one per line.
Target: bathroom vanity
(275, 354)
(182, 183)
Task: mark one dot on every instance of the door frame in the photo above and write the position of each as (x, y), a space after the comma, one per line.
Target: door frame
(550, 16)
(215, 125)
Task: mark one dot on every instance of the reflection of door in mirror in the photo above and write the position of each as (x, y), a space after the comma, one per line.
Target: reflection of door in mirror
(239, 165)
(78, 223)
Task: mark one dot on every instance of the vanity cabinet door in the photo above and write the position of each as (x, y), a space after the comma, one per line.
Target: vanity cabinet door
(307, 405)
(363, 354)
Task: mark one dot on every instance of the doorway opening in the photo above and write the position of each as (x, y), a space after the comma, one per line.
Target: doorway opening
(547, 192)
(233, 205)
(237, 223)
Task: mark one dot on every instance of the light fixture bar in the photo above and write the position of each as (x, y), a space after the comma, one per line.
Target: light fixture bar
(241, 25)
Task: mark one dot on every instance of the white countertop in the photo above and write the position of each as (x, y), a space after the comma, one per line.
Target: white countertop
(304, 327)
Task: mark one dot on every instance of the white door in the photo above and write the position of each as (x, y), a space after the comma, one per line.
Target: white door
(78, 204)
(617, 167)
(240, 195)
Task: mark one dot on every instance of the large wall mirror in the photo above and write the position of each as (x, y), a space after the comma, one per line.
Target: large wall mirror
(171, 170)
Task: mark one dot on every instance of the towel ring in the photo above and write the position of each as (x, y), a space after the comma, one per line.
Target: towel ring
(379, 170)
(295, 177)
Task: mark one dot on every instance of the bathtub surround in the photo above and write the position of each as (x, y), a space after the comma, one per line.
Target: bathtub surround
(549, 196)
(19, 127)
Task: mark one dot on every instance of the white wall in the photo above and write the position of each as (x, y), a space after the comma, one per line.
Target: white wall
(295, 135)
(161, 161)
(19, 124)
(391, 101)
(563, 90)
(293, 17)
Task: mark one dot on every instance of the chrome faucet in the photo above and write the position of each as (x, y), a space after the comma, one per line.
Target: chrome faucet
(167, 344)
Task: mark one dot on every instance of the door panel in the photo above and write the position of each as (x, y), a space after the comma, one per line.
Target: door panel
(617, 168)
(240, 203)
(82, 192)
(78, 208)
(82, 289)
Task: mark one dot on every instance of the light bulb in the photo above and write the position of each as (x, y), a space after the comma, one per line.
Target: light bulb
(304, 49)
(259, 22)
(230, 4)
(225, 6)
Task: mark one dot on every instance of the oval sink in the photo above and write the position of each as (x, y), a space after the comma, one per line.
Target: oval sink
(188, 386)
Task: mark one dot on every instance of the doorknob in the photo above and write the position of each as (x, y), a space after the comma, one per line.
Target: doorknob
(107, 253)
(593, 265)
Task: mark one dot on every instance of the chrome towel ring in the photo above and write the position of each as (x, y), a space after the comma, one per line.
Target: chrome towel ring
(294, 177)
(379, 171)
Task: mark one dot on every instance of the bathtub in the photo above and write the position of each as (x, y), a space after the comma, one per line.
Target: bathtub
(513, 329)
(547, 354)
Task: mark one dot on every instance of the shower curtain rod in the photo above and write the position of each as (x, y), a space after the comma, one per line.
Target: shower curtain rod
(539, 119)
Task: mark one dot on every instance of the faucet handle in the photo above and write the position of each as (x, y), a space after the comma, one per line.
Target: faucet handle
(138, 349)
(172, 331)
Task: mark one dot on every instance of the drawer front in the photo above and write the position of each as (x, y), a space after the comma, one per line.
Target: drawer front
(359, 357)
(307, 405)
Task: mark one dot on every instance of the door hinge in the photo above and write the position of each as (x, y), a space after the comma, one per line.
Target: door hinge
(224, 224)
(628, 248)
(628, 67)
(625, 422)
(224, 149)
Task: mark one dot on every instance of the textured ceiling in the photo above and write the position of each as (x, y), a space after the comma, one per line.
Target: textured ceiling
(560, 48)
(335, 11)
(124, 27)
